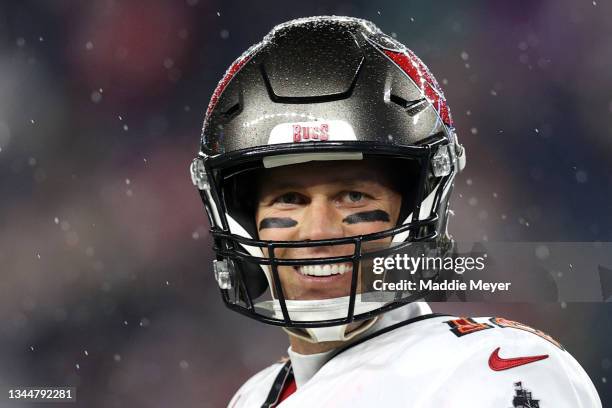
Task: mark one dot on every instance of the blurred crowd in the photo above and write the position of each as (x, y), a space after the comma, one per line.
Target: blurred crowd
(105, 259)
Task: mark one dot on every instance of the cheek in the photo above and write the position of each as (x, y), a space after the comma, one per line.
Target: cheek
(276, 234)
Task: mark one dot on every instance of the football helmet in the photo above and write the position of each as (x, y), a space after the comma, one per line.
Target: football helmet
(316, 89)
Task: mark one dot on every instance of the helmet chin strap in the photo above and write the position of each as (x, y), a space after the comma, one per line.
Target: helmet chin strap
(320, 310)
(332, 333)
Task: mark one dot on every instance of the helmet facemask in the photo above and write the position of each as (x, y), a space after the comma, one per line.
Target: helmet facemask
(254, 266)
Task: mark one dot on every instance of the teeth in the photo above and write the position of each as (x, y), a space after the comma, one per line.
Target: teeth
(325, 270)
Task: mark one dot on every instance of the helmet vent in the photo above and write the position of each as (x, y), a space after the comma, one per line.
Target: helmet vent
(232, 111)
(274, 92)
(411, 107)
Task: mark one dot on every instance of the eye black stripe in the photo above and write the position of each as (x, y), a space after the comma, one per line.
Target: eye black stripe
(274, 222)
(367, 216)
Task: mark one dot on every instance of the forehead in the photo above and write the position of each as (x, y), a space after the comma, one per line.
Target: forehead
(342, 172)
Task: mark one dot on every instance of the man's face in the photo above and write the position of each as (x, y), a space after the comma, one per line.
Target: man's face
(322, 200)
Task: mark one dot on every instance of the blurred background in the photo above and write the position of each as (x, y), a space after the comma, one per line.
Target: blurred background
(105, 260)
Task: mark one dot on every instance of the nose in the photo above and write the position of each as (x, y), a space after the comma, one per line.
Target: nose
(321, 221)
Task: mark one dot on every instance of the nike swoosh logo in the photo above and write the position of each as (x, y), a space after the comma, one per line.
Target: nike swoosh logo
(498, 363)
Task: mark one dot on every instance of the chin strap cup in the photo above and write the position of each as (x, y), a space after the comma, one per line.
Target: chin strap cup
(332, 333)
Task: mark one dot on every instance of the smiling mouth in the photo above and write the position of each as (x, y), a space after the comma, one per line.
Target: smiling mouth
(325, 269)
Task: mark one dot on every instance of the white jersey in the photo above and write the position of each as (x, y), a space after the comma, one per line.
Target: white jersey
(436, 361)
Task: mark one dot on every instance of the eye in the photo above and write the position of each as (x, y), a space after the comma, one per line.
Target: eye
(290, 199)
(353, 197)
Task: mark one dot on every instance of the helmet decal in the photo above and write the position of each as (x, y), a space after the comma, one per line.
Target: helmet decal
(314, 131)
